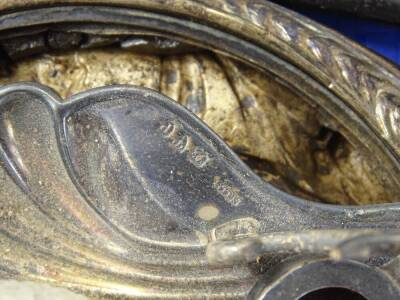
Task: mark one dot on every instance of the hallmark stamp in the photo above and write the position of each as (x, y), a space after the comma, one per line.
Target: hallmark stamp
(225, 188)
(199, 157)
(183, 143)
(234, 229)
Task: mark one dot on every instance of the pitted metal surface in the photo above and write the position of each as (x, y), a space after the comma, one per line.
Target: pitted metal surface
(120, 192)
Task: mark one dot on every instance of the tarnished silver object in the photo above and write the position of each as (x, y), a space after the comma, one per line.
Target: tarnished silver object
(134, 186)
(119, 192)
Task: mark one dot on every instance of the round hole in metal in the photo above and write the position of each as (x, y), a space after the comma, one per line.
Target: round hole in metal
(333, 293)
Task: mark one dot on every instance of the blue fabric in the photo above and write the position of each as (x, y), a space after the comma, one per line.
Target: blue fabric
(381, 37)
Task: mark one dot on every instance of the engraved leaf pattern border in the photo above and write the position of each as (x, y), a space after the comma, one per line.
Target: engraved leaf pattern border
(364, 80)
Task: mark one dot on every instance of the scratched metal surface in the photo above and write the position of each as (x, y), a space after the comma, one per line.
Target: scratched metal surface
(67, 216)
(129, 189)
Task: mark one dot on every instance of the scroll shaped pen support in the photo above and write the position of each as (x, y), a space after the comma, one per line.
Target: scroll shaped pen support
(118, 192)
